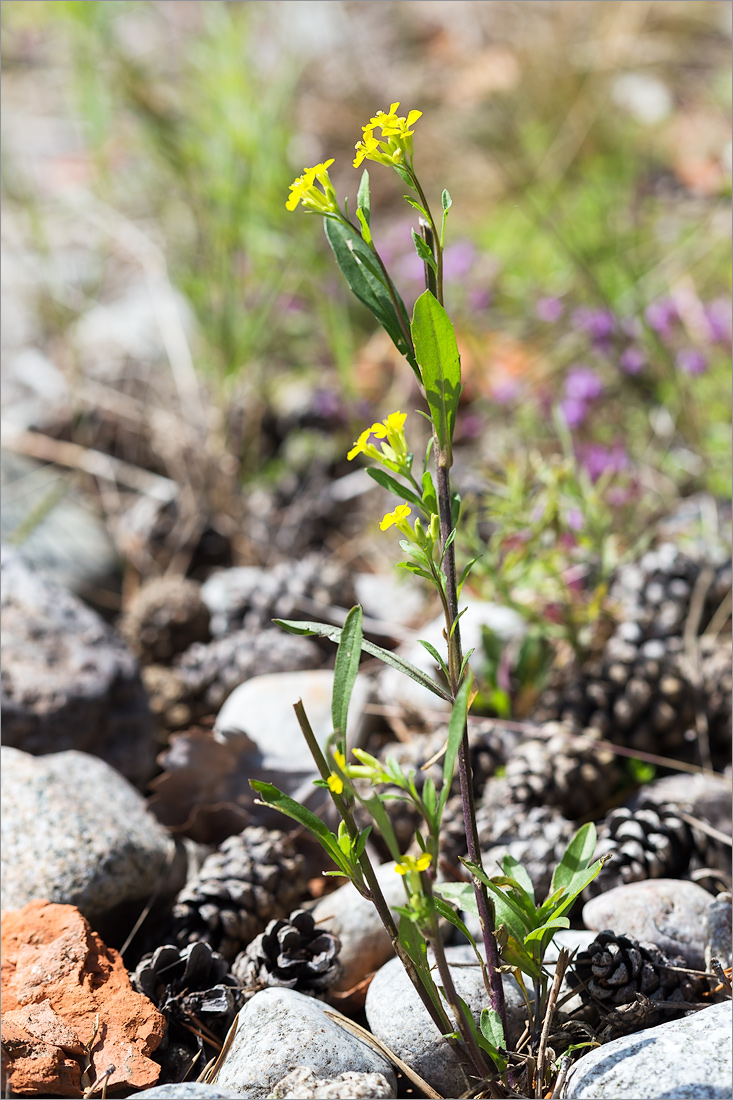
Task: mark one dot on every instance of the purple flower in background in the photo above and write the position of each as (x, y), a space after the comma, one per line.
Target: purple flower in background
(574, 411)
(506, 390)
(574, 519)
(599, 324)
(471, 425)
(327, 404)
(583, 384)
(458, 259)
(718, 317)
(480, 298)
(550, 309)
(661, 315)
(598, 459)
(632, 360)
(691, 361)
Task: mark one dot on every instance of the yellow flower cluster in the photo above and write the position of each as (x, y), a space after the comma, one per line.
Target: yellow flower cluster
(394, 148)
(304, 190)
(409, 864)
(393, 430)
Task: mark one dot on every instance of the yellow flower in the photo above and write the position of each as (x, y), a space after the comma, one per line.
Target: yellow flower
(361, 446)
(339, 758)
(304, 190)
(335, 783)
(395, 145)
(392, 428)
(398, 517)
(411, 864)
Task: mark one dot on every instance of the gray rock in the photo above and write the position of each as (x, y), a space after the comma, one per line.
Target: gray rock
(262, 707)
(688, 1059)
(69, 682)
(187, 1090)
(75, 832)
(54, 528)
(667, 912)
(34, 391)
(280, 1030)
(365, 944)
(393, 684)
(399, 1019)
(302, 1084)
(718, 933)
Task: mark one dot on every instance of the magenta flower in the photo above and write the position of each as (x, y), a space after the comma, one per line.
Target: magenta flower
(718, 317)
(661, 315)
(550, 309)
(599, 324)
(691, 361)
(458, 259)
(574, 411)
(632, 360)
(574, 519)
(598, 459)
(583, 384)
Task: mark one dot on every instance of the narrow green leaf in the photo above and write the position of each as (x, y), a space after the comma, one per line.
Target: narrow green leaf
(576, 858)
(437, 353)
(492, 1028)
(456, 726)
(448, 542)
(361, 842)
(363, 199)
(363, 222)
(288, 806)
(412, 568)
(466, 570)
(550, 925)
(326, 630)
(366, 281)
(457, 619)
(424, 251)
(434, 654)
(383, 823)
(508, 912)
(429, 496)
(455, 507)
(346, 668)
(465, 661)
(447, 912)
(446, 201)
(515, 870)
(579, 883)
(402, 491)
(416, 205)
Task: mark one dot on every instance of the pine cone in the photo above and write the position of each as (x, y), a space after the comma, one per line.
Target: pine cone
(616, 968)
(640, 691)
(650, 841)
(164, 618)
(562, 770)
(190, 986)
(292, 953)
(249, 879)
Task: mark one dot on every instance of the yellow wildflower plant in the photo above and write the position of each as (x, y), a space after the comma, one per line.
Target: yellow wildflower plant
(394, 148)
(409, 864)
(398, 518)
(335, 782)
(393, 430)
(304, 190)
(362, 446)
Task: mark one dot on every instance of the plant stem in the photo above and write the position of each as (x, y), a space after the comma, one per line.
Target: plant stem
(495, 988)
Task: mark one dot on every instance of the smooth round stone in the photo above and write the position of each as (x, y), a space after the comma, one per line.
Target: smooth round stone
(718, 926)
(666, 912)
(75, 831)
(279, 1030)
(302, 1084)
(399, 1019)
(187, 1090)
(688, 1059)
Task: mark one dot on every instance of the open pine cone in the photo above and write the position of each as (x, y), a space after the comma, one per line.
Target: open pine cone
(617, 967)
(292, 953)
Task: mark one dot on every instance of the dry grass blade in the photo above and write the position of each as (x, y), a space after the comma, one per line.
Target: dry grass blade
(709, 830)
(560, 968)
(565, 1064)
(210, 1071)
(367, 1037)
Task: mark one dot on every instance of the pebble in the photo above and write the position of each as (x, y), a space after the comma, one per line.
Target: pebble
(302, 1084)
(75, 831)
(187, 1090)
(718, 932)
(399, 1019)
(279, 1030)
(394, 685)
(688, 1059)
(365, 943)
(666, 912)
(69, 682)
(262, 707)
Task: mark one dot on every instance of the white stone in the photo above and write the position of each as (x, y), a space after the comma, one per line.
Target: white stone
(688, 1059)
(302, 1084)
(280, 1030)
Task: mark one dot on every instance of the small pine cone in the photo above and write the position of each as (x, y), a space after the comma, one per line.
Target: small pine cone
(562, 770)
(164, 618)
(292, 953)
(247, 881)
(187, 984)
(650, 841)
(616, 968)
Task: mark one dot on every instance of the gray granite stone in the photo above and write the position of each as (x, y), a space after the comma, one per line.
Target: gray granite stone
(667, 912)
(688, 1059)
(302, 1084)
(718, 924)
(76, 832)
(398, 1017)
(69, 682)
(187, 1090)
(280, 1030)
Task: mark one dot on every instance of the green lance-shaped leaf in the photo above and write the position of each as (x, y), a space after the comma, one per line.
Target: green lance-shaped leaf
(402, 491)
(361, 272)
(456, 726)
(576, 859)
(270, 795)
(326, 630)
(437, 353)
(347, 666)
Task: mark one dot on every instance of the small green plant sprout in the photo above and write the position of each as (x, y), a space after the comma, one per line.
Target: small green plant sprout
(425, 516)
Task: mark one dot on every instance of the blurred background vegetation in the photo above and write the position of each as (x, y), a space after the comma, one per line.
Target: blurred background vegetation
(587, 147)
